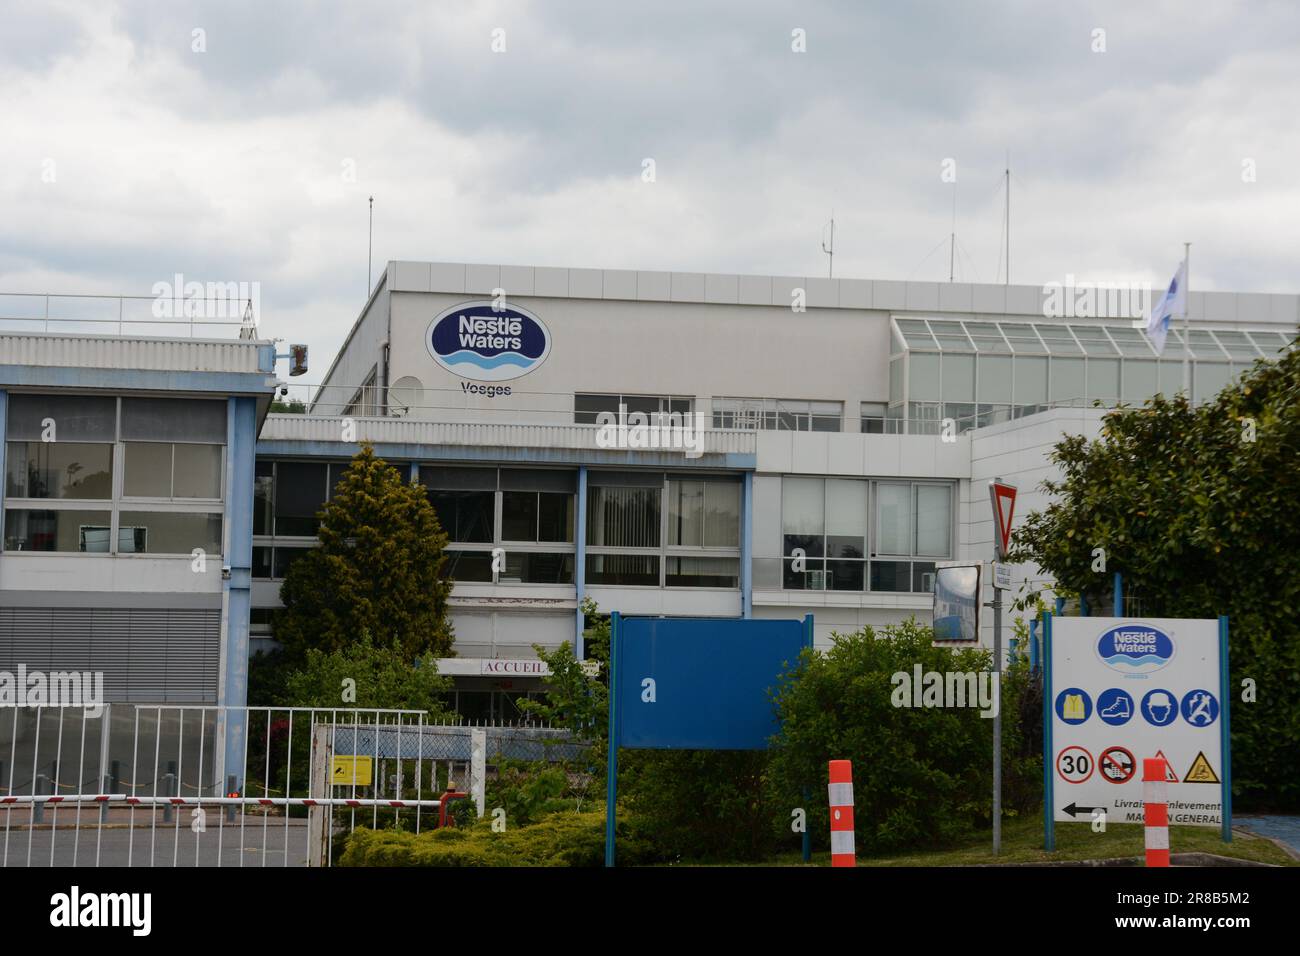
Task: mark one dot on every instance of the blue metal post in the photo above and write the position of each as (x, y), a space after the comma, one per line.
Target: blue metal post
(747, 547)
(241, 431)
(1060, 607)
(4, 426)
(1118, 599)
(807, 835)
(1033, 645)
(1049, 795)
(580, 559)
(1083, 606)
(1225, 727)
(611, 767)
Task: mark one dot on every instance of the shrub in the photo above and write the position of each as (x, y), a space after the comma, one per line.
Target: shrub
(922, 776)
(561, 839)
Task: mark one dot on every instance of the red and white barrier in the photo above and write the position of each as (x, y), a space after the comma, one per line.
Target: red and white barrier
(1155, 810)
(841, 801)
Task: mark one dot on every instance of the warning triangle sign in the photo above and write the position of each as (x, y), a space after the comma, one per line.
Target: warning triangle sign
(1003, 498)
(1200, 771)
(1170, 776)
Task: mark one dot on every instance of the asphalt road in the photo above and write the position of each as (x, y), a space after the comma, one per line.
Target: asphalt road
(118, 844)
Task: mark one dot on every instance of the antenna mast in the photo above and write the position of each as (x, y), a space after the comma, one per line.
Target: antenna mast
(1008, 171)
(370, 246)
(829, 250)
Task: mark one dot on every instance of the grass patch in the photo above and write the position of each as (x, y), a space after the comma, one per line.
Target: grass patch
(1022, 842)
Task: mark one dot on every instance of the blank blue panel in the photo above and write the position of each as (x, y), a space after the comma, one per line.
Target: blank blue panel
(711, 681)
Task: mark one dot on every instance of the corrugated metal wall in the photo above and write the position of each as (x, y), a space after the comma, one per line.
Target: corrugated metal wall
(147, 655)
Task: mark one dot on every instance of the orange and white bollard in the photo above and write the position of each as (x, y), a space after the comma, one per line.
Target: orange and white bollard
(1155, 810)
(841, 796)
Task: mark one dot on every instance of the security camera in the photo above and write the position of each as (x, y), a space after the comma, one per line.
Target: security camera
(284, 389)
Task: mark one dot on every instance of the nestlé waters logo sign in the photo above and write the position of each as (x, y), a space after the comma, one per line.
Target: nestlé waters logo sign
(488, 342)
(1135, 649)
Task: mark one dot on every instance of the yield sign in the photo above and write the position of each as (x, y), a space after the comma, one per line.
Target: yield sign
(1003, 498)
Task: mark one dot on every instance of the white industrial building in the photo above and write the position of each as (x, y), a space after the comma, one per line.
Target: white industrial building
(849, 429)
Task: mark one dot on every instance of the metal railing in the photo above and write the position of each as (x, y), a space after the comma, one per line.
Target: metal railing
(205, 316)
(255, 785)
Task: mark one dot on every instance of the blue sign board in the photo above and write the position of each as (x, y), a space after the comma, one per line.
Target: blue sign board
(700, 684)
(694, 684)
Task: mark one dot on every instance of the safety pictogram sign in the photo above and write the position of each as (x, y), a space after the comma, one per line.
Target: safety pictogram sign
(1201, 772)
(1116, 765)
(1074, 764)
(1170, 776)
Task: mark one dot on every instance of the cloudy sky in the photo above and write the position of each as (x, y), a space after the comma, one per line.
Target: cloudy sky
(239, 141)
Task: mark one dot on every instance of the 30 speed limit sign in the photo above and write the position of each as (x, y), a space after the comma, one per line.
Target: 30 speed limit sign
(1074, 764)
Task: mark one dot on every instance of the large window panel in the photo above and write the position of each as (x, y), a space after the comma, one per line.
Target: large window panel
(555, 516)
(958, 378)
(933, 520)
(1103, 379)
(39, 469)
(893, 518)
(721, 514)
(147, 470)
(685, 513)
(623, 569)
(174, 419)
(519, 516)
(32, 530)
(1030, 380)
(263, 496)
(923, 380)
(74, 418)
(702, 572)
(533, 567)
(803, 510)
(168, 532)
(299, 495)
(1141, 380)
(196, 471)
(466, 516)
(995, 375)
(1068, 380)
(623, 517)
(846, 518)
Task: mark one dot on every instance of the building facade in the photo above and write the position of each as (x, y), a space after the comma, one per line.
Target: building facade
(661, 443)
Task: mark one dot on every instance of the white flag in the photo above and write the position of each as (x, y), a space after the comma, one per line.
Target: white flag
(1172, 303)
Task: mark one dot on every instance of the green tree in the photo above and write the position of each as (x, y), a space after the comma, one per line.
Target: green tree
(376, 572)
(1197, 507)
(365, 674)
(922, 775)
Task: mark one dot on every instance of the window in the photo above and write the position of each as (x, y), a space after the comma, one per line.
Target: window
(873, 418)
(778, 414)
(587, 408)
(69, 452)
(652, 530)
(827, 533)
(61, 469)
(169, 532)
(299, 496)
(172, 470)
(64, 530)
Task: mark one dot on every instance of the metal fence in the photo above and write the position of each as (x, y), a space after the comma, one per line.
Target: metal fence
(140, 785)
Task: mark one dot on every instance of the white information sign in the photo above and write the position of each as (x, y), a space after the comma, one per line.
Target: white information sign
(1124, 690)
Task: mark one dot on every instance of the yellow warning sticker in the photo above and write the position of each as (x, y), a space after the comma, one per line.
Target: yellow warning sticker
(352, 771)
(1200, 771)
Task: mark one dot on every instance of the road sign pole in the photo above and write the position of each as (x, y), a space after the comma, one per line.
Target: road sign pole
(1049, 798)
(1225, 728)
(611, 767)
(997, 721)
(1001, 496)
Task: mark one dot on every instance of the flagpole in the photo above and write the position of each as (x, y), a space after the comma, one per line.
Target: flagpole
(1187, 322)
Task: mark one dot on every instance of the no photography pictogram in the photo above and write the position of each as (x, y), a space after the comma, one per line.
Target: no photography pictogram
(1116, 765)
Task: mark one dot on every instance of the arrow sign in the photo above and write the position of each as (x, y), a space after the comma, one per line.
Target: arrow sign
(1072, 810)
(1003, 498)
